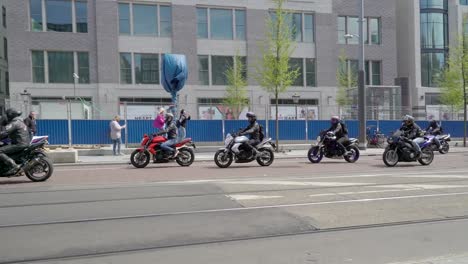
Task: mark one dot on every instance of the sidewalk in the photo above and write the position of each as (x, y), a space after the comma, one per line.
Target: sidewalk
(207, 156)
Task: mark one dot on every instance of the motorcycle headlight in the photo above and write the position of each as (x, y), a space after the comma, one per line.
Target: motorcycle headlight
(318, 139)
(390, 140)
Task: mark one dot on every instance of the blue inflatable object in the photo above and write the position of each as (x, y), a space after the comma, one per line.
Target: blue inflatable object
(174, 74)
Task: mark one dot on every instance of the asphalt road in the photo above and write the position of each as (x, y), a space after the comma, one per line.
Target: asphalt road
(291, 212)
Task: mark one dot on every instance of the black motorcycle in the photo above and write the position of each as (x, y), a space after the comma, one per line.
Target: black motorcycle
(33, 162)
(327, 146)
(400, 149)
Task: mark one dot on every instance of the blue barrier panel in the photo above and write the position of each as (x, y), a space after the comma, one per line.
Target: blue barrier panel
(57, 130)
(91, 132)
(289, 129)
(454, 128)
(316, 126)
(205, 130)
(234, 125)
(137, 128)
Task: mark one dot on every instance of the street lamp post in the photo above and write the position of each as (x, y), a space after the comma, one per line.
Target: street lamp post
(75, 79)
(361, 85)
(296, 98)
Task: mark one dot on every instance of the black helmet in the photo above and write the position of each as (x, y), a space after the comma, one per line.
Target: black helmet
(251, 117)
(11, 113)
(433, 123)
(408, 120)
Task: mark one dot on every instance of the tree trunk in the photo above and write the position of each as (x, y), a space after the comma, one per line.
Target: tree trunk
(277, 120)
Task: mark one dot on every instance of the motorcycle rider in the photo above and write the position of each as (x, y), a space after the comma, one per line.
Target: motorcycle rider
(253, 130)
(341, 133)
(435, 129)
(17, 131)
(412, 131)
(170, 129)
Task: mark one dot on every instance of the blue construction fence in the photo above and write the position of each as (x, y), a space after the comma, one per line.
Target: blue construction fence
(97, 132)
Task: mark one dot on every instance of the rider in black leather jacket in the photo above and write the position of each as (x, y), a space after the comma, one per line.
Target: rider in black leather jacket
(435, 129)
(253, 129)
(340, 133)
(412, 131)
(17, 131)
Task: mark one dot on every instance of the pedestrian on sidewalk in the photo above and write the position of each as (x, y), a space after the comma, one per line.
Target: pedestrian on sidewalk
(30, 122)
(182, 125)
(159, 121)
(116, 135)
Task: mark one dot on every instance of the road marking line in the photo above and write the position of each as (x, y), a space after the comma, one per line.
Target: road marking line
(363, 192)
(298, 183)
(420, 186)
(241, 197)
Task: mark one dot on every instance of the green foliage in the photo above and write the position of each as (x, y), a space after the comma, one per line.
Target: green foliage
(345, 80)
(455, 75)
(236, 93)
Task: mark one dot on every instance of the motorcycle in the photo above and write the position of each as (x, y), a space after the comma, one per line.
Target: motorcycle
(33, 161)
(400, 149)
(233, 151)
(444, 142)
(327, 146)
(151, 147)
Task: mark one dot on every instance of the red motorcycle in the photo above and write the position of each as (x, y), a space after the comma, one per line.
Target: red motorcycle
(151, 147)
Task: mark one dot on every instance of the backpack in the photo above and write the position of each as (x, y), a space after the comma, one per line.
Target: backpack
(260, 133)
(345, 129)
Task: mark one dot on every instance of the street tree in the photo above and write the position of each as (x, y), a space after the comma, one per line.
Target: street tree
(345, 80)
(274, 72)
(236, 97)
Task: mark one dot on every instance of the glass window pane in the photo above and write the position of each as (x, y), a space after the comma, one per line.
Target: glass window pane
(296, 27)
(310, 73)
(83, 67)
(126, 68)
(219, 66)
(309, 28)
(354, 69)
(124, 18)
(36, 15)
(296, 63)
(376, 78)
(202, 23)
(366, 30)
(437, 4)
(374, 28)
(165, 20)
(243, 60)
(341, 30)
(60, 66)
(203, 75)
(145, 20)
(432, 65)
(59, 15)
(221, 23)
(434, 30)
(146, 68)
(81, 9)
(353, 29)
(240, 24)
(368, 73)
(38, 66)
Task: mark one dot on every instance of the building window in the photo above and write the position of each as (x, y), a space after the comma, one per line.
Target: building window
(146, 20)
(5, 48)
(36, 15)
(434, 30)
(350, 26)
(59, 15)
(38, 72)
(83, 67)
(433, 99)
(301, 26)
(203, 70)
(124, 18)
(222, 23)
(463, 2)
(60, 66)
(4, 17)
(373, 73)
(311, 79)
(219, 66)
(126, 68)
(7, 83)
(81, 11)
(146, 68)
(296, 63)
(165, 13)
(433, 4)
(432, 66)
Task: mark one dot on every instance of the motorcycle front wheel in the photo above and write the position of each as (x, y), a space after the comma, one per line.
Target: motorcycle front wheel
(223, 159)
(265, 157)
(315, 155)
(445, 148)
(427, 156)
(41, 171)
(185, 157)
(140, 159)
(390, 157)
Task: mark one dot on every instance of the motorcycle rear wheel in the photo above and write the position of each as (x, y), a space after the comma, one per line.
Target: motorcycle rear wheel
(223, 159)
(43, 167)
(354, 156)
(140, 159)
(445, 148)
(185, 157)
(427, 156)
(265, 157)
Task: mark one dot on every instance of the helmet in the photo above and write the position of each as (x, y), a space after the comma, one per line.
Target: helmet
(408, 120)
(251, 117)
(433, 123)
(11, 113)
(169, 117)
(335, 119)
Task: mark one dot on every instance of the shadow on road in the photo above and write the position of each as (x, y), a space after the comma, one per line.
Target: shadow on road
(12, 182)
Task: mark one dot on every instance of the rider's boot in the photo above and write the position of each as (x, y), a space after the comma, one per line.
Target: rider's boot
(14, 168)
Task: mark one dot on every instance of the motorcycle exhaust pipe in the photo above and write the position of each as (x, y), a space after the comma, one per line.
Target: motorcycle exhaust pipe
(31, 164)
